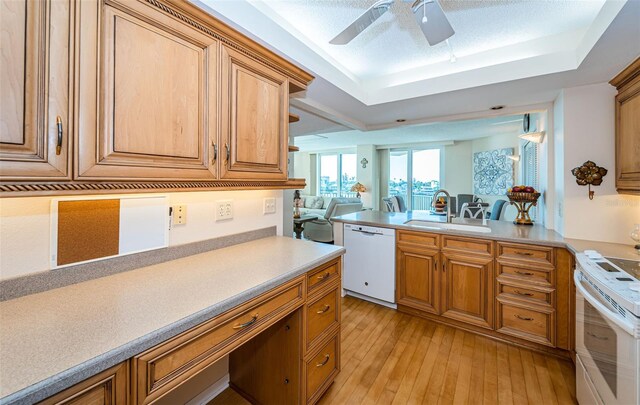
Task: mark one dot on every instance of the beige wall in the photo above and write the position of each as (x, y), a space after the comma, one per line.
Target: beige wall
(588, 133)
(25, 225)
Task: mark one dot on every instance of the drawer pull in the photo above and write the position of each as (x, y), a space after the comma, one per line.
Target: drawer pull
(244, 325)
(325, 309)
(524, 318)
(523, 253)
(523, 293)
(597, 337)
(524, 273)
(215, 152)
(326, 360)
(324, 276)
(59, 141)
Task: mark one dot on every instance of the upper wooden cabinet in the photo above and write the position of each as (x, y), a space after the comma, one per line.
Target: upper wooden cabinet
(147, 105)
(34, 89)
(628, 129)
(138, 95)
(254, 121)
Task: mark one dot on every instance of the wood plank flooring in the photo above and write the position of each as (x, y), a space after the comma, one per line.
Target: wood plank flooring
(393, 358)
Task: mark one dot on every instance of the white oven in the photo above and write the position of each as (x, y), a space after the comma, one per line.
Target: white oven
(607, 345)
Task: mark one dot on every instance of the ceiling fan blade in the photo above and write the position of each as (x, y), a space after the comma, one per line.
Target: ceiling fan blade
(436, 28)
(361, 23)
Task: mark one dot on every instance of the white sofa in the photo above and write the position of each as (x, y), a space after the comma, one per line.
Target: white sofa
(321, 229)
(311, 201)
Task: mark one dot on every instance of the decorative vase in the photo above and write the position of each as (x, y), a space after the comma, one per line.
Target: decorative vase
(523, 202)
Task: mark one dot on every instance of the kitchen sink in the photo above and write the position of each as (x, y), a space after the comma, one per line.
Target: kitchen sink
(439, 226)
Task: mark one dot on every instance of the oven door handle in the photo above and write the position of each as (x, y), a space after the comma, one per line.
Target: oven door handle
(598, 304)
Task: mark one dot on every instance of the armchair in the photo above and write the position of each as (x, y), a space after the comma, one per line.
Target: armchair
(321, 229)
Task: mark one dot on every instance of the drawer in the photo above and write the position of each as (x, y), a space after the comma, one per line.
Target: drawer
(324, 275)
(423, 239)
(542, 296)
(530, 322)
(322, 368)
(454, 244)
(322, 313)
(108, 387)
(528, 254)
(526, 275)
(165, 366)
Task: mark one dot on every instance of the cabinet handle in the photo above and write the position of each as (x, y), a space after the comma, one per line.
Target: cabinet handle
(523, 293)
(523, 253)
(597, 337)
(215, 152)
(325, 309)
(226, 146)
(524, 318)
(244, 325)
(324, 276)
(524, 273)
(59, 143)
(326, 360)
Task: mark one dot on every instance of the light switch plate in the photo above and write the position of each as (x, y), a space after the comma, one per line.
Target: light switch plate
(179, 214)
(269, 206)
(224, 210)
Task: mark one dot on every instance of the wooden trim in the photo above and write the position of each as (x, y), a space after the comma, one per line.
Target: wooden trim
(73, 188)
(293, 148)
(626, 75)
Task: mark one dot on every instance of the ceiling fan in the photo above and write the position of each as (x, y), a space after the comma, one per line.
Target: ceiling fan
(428, 14)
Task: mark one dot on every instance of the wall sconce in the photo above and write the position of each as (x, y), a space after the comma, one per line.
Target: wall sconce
(535, 137)
(364, 162)
(358, 188)
(589, 173)
(515, 158)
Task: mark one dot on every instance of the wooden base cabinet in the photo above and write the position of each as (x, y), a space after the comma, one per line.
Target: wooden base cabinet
(110, 387)
(418, 278)
(511, 291)
(35, 79)
(468, 289)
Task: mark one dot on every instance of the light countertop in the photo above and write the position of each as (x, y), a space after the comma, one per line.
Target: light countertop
(500, 230)
(54, 339)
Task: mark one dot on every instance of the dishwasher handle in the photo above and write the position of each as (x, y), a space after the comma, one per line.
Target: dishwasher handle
(367, 233)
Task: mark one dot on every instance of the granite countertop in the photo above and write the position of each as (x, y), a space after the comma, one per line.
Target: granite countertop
(500, 230)
(54, 339)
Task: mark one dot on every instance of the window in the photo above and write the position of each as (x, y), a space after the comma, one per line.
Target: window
(415, 176)
(337, 174)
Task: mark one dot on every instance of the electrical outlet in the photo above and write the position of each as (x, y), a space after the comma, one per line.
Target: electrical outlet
(269, 206)
(179, 214)
(224, 210)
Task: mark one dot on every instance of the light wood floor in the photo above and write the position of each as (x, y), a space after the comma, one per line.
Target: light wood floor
(394, 358)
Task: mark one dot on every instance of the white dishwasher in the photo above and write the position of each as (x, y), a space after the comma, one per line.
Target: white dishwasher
(369, 264)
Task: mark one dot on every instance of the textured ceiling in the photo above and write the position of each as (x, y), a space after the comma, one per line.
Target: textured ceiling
(395, 43)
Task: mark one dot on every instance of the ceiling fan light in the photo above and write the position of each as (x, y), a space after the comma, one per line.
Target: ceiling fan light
(535, 137)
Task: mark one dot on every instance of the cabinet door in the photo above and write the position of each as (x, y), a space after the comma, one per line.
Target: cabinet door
(628, 138)
(34, 89)
(147, 95)
(254, 119)
(418, 278)
(468, 290)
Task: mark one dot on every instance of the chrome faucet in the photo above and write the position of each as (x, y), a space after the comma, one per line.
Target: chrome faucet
(435, 198)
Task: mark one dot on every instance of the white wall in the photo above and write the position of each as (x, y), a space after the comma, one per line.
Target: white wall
(588, 133)
(369, 176)
(456, 177)
(25, 233)
(302, 170)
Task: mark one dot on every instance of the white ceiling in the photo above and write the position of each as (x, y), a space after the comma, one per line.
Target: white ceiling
(463, 130)
(582, 46)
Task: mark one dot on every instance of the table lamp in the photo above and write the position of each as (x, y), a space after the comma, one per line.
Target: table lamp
(358, 188)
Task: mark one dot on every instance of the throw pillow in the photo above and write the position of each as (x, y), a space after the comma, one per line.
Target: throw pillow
(309, 201)
(318, 203)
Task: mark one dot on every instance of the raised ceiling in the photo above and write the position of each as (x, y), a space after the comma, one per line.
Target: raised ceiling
(516, 53)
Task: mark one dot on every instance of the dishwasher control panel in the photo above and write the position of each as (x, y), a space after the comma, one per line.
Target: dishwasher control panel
(368, 229)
